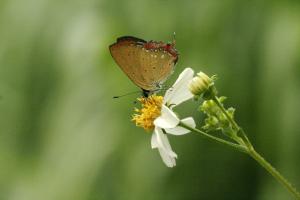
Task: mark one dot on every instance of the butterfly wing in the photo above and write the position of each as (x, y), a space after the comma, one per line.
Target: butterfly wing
(147, 68)
(157, 66)
(126, 52)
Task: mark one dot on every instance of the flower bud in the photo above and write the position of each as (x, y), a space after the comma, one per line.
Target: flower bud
(200, 84)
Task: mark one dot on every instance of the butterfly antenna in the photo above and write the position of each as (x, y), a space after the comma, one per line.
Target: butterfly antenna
(174, 39)
(123, 95)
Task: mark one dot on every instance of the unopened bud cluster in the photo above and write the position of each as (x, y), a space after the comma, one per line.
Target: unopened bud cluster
(216, 119)
(200, 84)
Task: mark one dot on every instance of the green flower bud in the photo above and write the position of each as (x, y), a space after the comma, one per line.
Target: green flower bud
(215, 118)
(200, 84)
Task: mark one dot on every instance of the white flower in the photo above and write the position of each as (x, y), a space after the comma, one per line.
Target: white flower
(157, 115)
(168, 121)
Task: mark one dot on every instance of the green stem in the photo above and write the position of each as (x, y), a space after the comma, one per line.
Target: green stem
(233, 123)
(219, 140)
(256, 156)
(274, 172)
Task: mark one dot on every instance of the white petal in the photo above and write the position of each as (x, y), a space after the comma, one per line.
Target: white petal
(163, 143)
(167, 119)
(180, 92)
(180, 130)
(189, 121)
(154, 142)
(168, 160)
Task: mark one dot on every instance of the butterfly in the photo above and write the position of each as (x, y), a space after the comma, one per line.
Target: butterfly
(147, 64)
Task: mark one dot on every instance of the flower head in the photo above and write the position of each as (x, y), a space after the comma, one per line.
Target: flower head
(151, 109)
(156, 114)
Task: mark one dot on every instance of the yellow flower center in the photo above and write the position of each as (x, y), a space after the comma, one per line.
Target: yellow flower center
(150, 110)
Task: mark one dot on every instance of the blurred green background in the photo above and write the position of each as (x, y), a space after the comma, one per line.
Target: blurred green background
(62, 136)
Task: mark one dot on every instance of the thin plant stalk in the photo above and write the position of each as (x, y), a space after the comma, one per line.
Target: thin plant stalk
(256, 156)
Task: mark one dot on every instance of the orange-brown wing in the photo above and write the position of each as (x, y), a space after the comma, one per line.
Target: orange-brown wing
(126, 53)
(157, 66)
